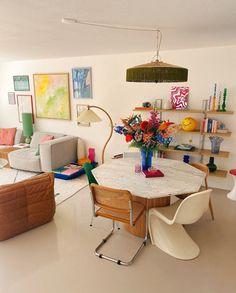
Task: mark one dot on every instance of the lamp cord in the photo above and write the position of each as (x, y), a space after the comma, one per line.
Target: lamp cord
(68, 20)
(159, 39)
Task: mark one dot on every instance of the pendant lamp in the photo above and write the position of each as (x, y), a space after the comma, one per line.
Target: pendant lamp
(157, 71)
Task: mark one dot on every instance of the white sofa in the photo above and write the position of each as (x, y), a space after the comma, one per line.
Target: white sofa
(49, 155)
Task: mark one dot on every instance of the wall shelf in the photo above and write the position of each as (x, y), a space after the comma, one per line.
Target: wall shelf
(225, 134)
(219, 173)
(199, 111)
(198, 152)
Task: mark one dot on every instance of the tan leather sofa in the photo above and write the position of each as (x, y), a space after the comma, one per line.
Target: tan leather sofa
(26, 205)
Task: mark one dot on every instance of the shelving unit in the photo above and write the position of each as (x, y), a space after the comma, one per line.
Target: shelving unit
(198, 151)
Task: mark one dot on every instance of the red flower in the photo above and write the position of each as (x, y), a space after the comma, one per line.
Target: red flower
(128, 137)
(144, 125)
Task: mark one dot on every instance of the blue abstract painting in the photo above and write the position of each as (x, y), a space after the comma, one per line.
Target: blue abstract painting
(82, 82)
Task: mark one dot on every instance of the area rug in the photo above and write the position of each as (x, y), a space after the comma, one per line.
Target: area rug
(64, 189)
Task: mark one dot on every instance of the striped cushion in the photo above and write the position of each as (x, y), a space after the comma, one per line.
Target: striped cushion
(7, 136)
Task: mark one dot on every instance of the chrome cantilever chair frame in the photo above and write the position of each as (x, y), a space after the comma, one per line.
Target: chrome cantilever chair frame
(131, 222)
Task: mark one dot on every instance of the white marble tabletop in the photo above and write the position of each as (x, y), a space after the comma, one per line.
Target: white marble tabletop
(179, 177)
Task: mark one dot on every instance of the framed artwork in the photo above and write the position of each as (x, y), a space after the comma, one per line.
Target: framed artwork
(82, 82)
(52, 96)
(80, 108)
(179, 97)
(24, 105)
(21, 83)
(11, 98)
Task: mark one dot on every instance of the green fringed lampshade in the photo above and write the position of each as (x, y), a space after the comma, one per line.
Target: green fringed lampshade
(157, 72)
(27, 121)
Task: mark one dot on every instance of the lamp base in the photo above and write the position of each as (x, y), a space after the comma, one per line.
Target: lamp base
(28, 140)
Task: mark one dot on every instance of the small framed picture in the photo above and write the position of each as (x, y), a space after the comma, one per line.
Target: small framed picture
(11, 98)
(82, 83)
(21, 83)
(80, 109)
(24, 105)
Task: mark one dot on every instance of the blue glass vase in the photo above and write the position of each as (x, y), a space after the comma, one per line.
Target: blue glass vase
(146, 157)
(215, 143)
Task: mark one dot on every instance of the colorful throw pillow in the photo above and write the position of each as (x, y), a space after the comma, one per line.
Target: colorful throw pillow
(7, 136)
(44, 138)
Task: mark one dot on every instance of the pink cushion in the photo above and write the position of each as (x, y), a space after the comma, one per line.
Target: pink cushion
(7, 136)
(46, 137)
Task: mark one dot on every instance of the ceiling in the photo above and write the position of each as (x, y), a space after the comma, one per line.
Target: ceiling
(31, 29)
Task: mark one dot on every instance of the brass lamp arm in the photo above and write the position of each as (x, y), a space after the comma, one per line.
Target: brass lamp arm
(111, 124)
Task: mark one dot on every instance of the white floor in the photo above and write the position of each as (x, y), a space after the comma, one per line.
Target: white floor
(58, 257)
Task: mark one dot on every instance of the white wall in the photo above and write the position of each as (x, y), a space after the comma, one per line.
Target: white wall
(206, 66)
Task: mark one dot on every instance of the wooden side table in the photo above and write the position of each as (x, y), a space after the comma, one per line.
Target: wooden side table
(4, 153)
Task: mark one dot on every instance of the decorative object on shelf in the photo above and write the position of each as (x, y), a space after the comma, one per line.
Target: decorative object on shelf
(11, 98)
(21, 83)
(89, 116)
(185, 147)
(215, 143)
(189, 124)
(157, 105)
(211, 165)
(24, 105)
(27, 126)
(148, 135)
(52, 98)
(223, 109)
(232, 194)
(219, 103)
(209, 104)
(82, 83)
(156, 71)
(179, 97)
(214, 99)
(186, 159)
(167, 105)
(146, 104)
(91, 154)
(221, 128)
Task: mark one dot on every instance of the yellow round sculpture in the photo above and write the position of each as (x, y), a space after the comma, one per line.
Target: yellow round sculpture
(189, 124)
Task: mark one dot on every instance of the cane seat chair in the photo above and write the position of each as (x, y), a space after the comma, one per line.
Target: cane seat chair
(117, 205)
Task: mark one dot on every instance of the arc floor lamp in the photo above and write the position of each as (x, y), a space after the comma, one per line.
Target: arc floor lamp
(89, 116)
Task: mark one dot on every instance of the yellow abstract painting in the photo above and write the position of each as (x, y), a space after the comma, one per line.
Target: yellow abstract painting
(52, 97)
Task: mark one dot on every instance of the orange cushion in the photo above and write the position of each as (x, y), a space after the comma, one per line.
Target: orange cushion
(7, 136)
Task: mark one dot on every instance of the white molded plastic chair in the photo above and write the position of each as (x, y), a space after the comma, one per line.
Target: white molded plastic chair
(165, 225)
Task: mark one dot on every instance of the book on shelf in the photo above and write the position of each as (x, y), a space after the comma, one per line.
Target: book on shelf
(209, 125)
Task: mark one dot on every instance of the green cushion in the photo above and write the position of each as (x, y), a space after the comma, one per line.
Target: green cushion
(88, 170)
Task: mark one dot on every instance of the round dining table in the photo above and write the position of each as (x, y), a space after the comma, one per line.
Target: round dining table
(179, 178)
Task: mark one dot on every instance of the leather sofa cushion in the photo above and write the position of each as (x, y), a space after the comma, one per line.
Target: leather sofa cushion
(26, 205)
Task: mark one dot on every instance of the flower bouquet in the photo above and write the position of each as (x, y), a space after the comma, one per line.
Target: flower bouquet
(148, 135)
